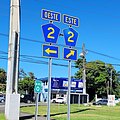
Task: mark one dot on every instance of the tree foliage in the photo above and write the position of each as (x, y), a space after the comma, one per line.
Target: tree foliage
(3, 76)
(26, 84)
(98, 74)
(31, 75)
(22, 73)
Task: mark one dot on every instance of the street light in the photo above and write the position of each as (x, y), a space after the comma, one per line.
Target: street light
(82, 55)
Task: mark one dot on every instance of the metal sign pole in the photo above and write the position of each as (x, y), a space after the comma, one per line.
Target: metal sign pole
(36, 110)
(69, 88)
(49, 89)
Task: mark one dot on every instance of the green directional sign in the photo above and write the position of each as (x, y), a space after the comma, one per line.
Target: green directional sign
(38, 86)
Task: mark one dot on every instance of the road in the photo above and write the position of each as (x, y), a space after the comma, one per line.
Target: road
(23, 116)
(2, 107)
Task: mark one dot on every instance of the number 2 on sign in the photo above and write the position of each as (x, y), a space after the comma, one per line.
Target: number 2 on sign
(71, 36)
(52, 32)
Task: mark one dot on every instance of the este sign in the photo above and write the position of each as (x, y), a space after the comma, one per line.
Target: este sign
(70, 20)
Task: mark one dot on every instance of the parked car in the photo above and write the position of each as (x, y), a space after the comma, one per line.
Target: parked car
(27, 98)
(117, 100)
(2, 98)
(59, 100)
(101, 102)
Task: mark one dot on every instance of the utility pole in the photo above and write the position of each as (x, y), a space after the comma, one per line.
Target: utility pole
(107, 87)
(83, 53)
(111, 82)
(12, 104)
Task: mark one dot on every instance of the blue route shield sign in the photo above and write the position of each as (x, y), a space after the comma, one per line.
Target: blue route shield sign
(51, 33)
(70, 20)
(70, 36)
(70, 54)
(50, 51)
(50, 15)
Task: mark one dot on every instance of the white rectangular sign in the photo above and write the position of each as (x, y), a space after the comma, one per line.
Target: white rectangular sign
(111, 100)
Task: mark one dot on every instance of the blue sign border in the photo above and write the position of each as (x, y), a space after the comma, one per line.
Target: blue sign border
(70, 44)
(78, 24)
(59, 84)
(51, 12)
(50, 41)
(49, 56)
(69, 58)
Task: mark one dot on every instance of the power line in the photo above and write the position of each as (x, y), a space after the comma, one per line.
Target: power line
(77, 10)
(33, 40)
(3, 34)
(2, 52)
(38, 41)
(70, 8)
(103, 54)
(30, 59)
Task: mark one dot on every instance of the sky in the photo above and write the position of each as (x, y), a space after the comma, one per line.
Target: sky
(99, 30)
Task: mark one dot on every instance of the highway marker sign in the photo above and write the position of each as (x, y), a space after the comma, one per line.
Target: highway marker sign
(50, 15)
(70, 20)
(50, 51)
(70, 54)
(70, 36)
(51, 33)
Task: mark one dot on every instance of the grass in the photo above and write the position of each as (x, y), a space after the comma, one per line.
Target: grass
(59, 112)
(2, 117)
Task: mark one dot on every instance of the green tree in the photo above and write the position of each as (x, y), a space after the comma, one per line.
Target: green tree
(26, 84)
(97, 76)
(31, 75)
(22, 73)
(117, 90)
(3, 76)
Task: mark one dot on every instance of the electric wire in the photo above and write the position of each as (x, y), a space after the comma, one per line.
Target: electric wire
(70, 8)
(31, 59)
(38, 41)
(28, 59)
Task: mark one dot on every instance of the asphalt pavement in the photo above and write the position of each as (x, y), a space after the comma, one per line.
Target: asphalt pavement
(24, 116)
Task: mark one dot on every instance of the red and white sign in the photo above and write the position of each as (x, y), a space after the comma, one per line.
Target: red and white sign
(111, 100)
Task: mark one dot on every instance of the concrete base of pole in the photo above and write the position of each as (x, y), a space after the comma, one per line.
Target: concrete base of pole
(12, 106)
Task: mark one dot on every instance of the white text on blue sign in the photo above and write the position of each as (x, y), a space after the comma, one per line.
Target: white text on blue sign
(51, 15)
(70, 20)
